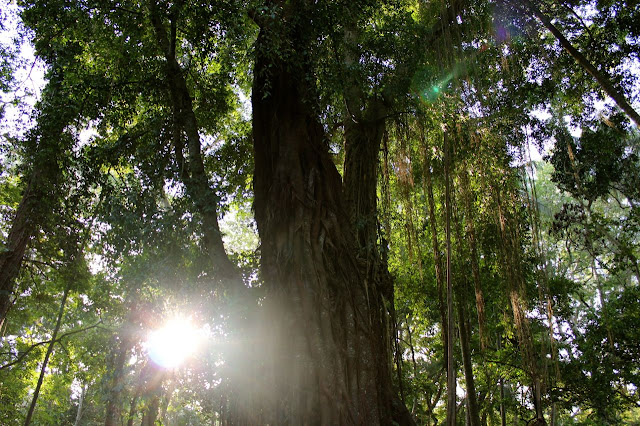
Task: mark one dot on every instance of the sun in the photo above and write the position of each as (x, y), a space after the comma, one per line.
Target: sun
(172, 344)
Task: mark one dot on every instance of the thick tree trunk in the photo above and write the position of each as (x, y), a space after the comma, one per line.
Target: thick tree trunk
(47, 145)
(324, 352)
(22, 229)
(363, 139)
(365, 126)
(362, 148)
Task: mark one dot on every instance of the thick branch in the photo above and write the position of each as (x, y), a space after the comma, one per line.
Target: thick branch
(193, 172)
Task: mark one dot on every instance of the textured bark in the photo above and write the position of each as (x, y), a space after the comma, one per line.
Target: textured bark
(363, 139)
(324, 354)
(365, 127)
(47, 146)
(23, 227)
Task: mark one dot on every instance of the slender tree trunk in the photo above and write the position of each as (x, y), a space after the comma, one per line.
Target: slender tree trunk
(132, 409)
(123, 342)
(153, 380)
(465, 336)
(167, 400)
(451, 368)
(150, 415)
(515, 288)
(54, 336)
(503, 408)
(432, 401)
(413, 363)
(544, 294)
(47, 144)
(139, 389)
(437, 260)
(112, 409)
(192, 173)
(397, 357)
(80, 403)
(600, 77)
(475, 267)
(464, 327)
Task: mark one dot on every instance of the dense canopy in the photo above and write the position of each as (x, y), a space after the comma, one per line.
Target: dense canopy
(372, 212)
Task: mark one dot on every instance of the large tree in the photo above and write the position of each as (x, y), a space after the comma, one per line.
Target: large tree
(374, 140)
(324, 300)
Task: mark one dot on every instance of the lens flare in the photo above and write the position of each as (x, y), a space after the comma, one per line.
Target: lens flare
(172, 344)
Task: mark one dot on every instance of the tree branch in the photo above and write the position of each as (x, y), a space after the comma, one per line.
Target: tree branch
(600, 77)
(45, 342)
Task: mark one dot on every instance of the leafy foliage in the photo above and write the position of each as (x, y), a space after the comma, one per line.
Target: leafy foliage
(544, 254)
